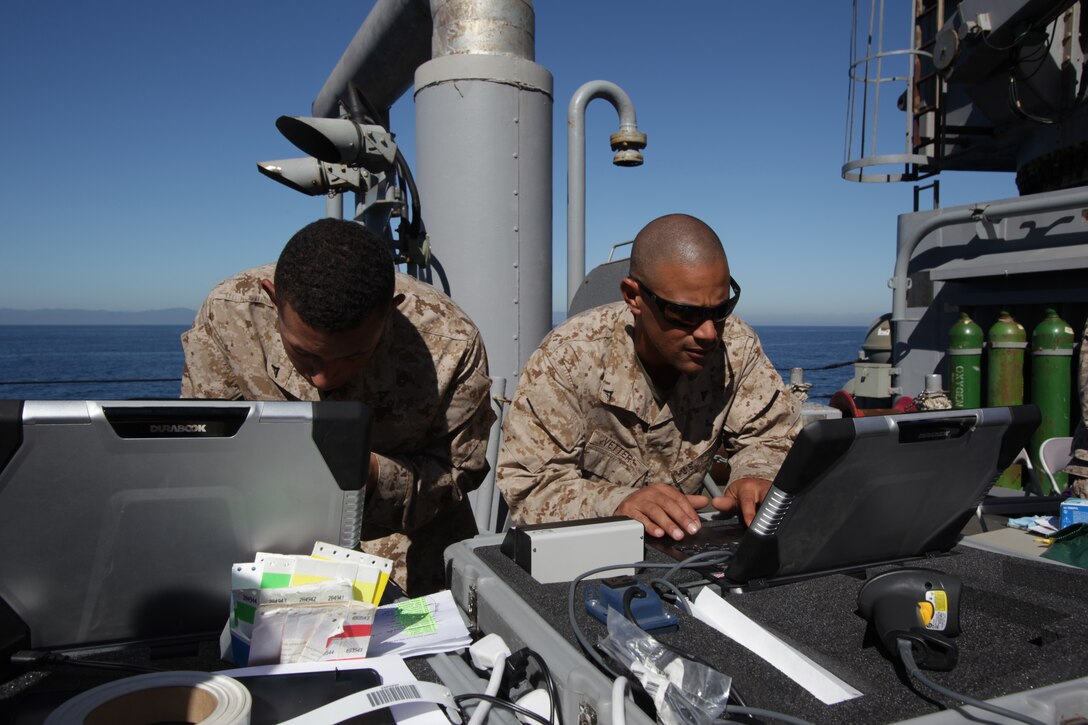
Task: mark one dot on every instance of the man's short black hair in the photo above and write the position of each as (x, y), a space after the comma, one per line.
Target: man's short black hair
(334, 274)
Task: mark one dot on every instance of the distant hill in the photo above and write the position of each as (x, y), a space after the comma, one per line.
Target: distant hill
(170, 316)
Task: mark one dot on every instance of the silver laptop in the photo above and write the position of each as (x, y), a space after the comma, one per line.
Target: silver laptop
(119, 521)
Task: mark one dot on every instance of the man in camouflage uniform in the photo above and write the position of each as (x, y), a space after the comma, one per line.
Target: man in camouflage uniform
(1078, 468)
(331, 320)
(622, 409)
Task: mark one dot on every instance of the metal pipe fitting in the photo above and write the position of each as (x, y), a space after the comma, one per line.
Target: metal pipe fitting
(627, 143)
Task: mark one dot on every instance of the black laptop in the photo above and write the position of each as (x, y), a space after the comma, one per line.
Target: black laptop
(119, 520)
(854, 492)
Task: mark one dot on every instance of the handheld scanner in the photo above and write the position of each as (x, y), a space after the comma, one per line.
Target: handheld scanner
(918, 605)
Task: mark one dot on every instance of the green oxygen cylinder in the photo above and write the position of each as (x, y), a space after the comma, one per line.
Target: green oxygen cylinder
(1051, 381)
(965, 363)
(1005, 376)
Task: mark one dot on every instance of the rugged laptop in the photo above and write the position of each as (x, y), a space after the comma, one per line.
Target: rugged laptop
(854, 492)
(119, 521)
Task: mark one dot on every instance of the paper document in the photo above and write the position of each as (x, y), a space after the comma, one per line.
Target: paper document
(727, 619)
(421, 626)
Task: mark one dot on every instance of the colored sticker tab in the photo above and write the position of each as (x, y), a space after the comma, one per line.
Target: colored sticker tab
(939, 599)
(415, 618)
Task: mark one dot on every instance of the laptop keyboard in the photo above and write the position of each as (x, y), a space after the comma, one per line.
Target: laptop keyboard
(691, 548)
(714, 536)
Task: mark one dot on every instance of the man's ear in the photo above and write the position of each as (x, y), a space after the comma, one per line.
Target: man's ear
(397, 299)
(630, 291)
(270, 290)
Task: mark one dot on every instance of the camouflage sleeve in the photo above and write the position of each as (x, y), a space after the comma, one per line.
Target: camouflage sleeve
(762, 421)
(208, 372)
(1082, 377)
(415, 487)
(1078, 467)
(539, 469)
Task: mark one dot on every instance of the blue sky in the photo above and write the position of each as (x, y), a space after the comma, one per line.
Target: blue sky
(130, 132)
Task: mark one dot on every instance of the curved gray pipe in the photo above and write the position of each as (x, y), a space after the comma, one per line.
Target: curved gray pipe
(400, 35)
(383, 56)
(576, 169)
(908, 241)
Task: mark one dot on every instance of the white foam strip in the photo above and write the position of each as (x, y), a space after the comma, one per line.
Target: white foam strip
(727, 619)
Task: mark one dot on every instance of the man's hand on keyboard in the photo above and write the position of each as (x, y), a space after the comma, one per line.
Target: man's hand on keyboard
(743, 495)
(663, 509)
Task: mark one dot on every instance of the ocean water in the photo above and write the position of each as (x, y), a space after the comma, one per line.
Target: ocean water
(118, 362)
(49, 362)
(827, 354)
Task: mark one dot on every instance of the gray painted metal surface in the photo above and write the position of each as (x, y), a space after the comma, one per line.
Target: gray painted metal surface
(492, 606)
(913, 228)
(490, 231)
(984, 255)
(386, 50)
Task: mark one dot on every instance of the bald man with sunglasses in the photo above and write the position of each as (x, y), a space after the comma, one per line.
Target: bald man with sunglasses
(624, 408)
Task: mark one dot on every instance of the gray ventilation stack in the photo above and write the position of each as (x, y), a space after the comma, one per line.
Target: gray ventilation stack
(484, 170)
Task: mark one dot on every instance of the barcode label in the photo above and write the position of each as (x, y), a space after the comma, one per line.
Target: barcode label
(393, 694)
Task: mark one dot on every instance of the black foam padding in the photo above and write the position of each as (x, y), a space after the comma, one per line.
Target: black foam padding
(1023, 628)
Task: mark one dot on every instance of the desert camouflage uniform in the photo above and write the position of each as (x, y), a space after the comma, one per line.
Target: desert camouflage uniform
(584, 432)
(427, 383)
(1078, 469)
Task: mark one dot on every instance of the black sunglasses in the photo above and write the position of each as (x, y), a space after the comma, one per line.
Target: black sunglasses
(692, 315)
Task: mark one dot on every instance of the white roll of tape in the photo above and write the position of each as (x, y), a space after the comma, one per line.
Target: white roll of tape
(194, 697)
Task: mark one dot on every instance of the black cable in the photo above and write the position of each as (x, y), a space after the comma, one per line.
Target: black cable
(1041, 53)
(437, 267)
(1016, 43)
(678, 600)
(760, 712)
(579, 635)
(631, 593)
(693, 562)
(1017, 107)
(553, 690)
(36, 657)
(407, 183)
(912, 668)
(512, 706)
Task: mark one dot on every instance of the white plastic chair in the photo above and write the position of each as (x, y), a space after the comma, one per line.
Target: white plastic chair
(1054, 455)
(1008, 502)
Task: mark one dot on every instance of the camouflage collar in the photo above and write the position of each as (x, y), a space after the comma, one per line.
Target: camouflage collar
(624, 385)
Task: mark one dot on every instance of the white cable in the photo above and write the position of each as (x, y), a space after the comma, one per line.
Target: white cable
(488, 653)
(538, 701)
(619, 691)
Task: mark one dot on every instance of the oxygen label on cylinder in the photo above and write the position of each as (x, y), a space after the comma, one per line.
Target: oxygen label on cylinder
(938, 599)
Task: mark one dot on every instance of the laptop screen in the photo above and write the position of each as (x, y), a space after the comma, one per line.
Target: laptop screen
(854, 492)
(119, 520)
